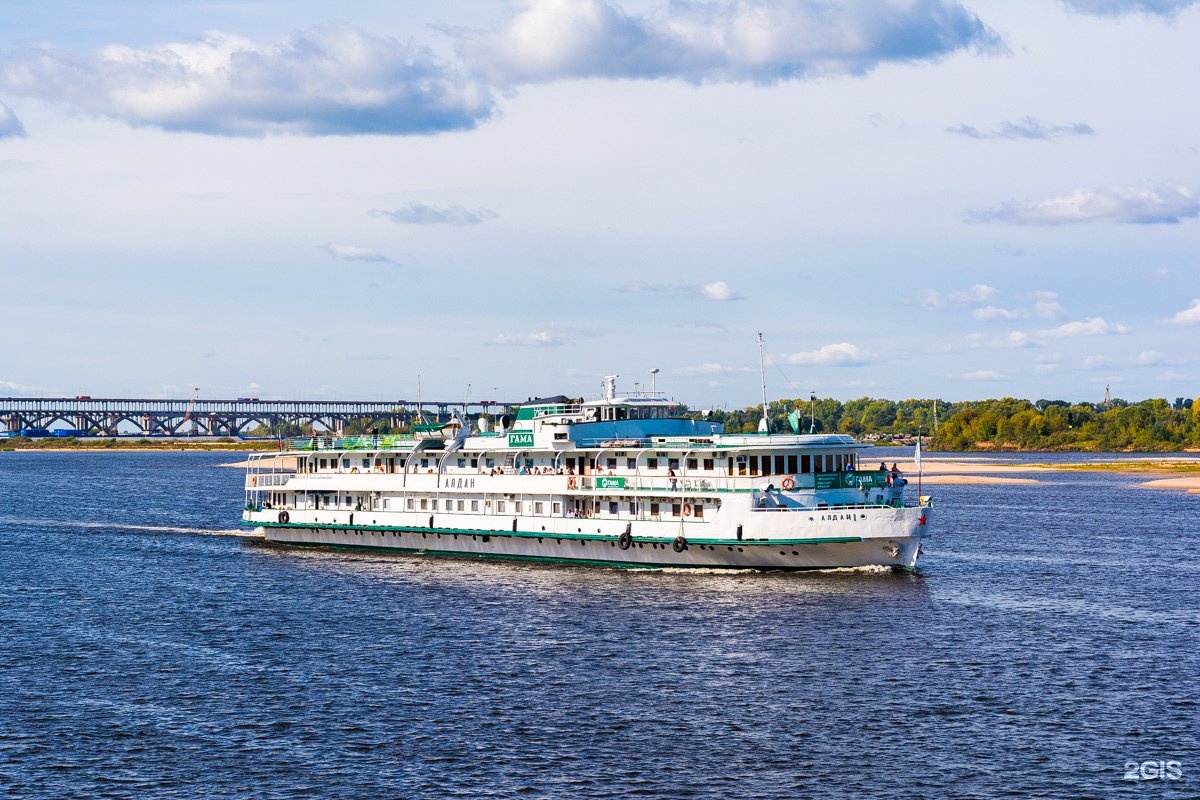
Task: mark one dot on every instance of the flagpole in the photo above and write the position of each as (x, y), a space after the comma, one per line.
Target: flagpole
(919, 470)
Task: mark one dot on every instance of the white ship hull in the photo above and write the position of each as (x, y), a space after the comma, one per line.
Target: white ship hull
(845, 538)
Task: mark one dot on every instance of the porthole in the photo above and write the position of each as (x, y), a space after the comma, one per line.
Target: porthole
(795, 552)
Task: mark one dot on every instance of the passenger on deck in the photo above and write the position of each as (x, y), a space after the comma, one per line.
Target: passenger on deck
(671, 475)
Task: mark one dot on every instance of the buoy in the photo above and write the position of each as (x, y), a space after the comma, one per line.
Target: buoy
(687, 509)
(788, 483)
(283, 518)
(571, 482)
(679, 545)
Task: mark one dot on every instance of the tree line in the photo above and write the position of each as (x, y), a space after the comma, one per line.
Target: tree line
(1004, 424)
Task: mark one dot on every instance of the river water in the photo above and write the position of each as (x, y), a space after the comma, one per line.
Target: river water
(1048, 647)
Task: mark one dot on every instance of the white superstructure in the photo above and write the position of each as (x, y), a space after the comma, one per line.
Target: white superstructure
(620, 480)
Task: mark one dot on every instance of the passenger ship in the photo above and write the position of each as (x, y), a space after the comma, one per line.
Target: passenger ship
(624, 480)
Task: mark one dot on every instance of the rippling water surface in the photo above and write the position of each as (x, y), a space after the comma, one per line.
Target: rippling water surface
(150, 648)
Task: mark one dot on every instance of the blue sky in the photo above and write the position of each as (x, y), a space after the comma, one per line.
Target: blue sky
(325, 200)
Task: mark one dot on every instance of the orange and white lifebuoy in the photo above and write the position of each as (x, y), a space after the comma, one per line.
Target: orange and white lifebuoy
(254, 480)
(687, 509)
(789, 483)
(571, 484)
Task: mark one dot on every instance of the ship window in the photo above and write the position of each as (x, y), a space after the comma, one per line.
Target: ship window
(741, 465)
(676, 509)
(345, 463)
(424, 503)
(460, 505)
(708, 465)
(366, 462)
(818, 463)
(410, 504)
(654, 509)
(537, 507)
(792, 464)
(698, 510)
(780, 465)
(633, 509)
(518, 506)
(474, 463)
(614, 508)
(499, 506)
(424, 463)
(631, 464)
(557, 509)
(489, 462)
(651, 463)
(673, 463)
(805, 464)
(462, 462)
(386, 504)
(837, 463)
(323, 463)
(612, 463)
(692, 463)
(474, 505)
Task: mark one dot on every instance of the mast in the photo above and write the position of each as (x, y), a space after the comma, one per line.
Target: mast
(762, 371)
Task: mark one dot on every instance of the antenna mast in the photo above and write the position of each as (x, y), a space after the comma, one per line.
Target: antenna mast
(762, 371)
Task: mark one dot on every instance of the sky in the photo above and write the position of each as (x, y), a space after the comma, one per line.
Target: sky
(494, 200)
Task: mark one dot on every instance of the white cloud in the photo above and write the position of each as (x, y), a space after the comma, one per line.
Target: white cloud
(842, 354)
(1149, 358)
(349, 252)
(1092, 326)
(979, 293)
(424, 214)
(536, 339)
(331, 80)
(751, 40)
(984, 375)
(991, 313)
(1095, 362)
(709, 369)
(1137, 206)
(1161, 273)
(719, 291)
(18, 388)
(1113, 8)
(10, 126)
(1019, 339)
(1024, 128)
(1046, 305)
(1189, 316)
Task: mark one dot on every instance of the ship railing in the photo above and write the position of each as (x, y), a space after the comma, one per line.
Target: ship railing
(260, 480)
(387, 441)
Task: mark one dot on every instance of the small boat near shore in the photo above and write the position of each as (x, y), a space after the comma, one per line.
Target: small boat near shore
(623, 480)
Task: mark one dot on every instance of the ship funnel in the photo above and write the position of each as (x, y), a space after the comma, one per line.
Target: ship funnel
(609, 387)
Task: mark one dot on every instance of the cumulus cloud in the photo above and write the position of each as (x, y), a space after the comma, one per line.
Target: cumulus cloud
(10, 126)
(842, 354)
(717, 291)
(748, 40)
(327, 81)
(535, 339)
(1115, 8)
(423, 214)
(984, 375)
(1046, 305)
(1091, 326)
(710, 369)
(1149, 358)
(1024, 128)
(1189, 316)
(1144, 206)
(349, 252)
(976, 295)
(991, 313)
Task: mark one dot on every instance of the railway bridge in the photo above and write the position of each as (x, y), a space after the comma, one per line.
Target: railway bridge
(146, 417)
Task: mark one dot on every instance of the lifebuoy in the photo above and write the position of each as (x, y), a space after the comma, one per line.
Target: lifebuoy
(625, 540)
(687, 509)
(679, 545)
(254, 480)
(283, 518)
(571, 484)
(788, 483)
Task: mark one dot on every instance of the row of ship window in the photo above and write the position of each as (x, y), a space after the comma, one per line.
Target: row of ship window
(746, 465)
(538, 507)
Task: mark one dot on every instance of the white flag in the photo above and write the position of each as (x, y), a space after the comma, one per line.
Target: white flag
(917, 455)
